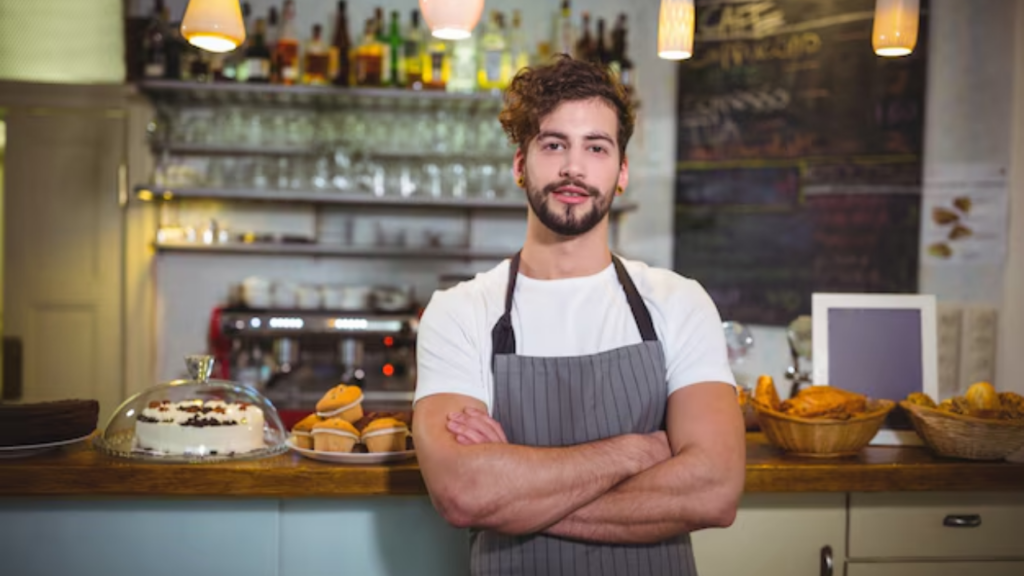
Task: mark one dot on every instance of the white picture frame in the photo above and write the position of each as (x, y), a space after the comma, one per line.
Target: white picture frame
(824, 304)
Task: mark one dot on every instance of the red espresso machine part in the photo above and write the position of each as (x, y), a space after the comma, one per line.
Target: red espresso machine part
(219, 346)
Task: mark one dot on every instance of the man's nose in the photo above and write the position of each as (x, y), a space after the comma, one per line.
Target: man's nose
(572, 167)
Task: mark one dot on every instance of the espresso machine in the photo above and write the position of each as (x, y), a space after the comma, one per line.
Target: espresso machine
(294, 357)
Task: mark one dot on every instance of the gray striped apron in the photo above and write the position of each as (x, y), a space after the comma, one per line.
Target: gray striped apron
(572, 400)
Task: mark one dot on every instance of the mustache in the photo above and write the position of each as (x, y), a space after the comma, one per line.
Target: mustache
(591, 191)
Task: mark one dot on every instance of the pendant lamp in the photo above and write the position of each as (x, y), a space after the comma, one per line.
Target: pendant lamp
(895, 29)
(213, 25)
(675, 29)
(451, 19)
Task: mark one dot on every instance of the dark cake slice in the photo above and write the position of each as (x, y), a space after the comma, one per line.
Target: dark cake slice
(45, 422)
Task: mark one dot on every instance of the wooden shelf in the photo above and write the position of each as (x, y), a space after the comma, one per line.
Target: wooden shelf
(347, 199)
(334, 251)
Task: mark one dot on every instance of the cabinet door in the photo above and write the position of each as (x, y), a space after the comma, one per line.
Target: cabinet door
(776, 535)
(936, 569)
(62, 242)
(934, 525)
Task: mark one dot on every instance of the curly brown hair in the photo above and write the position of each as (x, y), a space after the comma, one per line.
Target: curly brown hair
(536, 92)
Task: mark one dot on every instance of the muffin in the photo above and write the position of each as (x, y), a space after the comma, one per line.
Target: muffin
(334, 435)
(342, 401)
(302, 432)
(385, 435)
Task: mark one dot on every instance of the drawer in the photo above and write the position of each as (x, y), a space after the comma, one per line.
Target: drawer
(936, 569)
(936, 525)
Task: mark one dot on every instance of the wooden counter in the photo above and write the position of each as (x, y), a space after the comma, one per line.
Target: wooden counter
(80, 471)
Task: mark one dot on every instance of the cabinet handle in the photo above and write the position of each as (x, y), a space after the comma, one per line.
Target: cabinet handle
(962, 521)
(826, 561)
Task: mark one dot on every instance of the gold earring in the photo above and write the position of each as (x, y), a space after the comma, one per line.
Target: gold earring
(521, 181)
(619, 190)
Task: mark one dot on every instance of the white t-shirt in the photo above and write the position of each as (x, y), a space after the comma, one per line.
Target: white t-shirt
(566, 317)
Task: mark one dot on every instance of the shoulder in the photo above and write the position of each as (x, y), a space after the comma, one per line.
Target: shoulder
(666, 289)
(468, 299)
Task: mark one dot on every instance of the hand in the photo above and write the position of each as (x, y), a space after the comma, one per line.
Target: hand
(471, 426)
(653, 449)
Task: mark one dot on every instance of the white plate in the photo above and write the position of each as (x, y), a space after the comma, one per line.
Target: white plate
(33, 449)
(353, 457)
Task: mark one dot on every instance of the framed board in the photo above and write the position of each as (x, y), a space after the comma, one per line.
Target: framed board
(799, 157)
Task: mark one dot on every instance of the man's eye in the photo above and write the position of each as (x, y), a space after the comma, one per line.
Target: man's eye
(599, 149)
(552, 145)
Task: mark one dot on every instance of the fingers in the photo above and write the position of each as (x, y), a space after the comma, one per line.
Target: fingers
(476, 427)
(491, 423)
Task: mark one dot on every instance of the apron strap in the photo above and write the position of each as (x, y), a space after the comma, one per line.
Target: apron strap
(503, 338)
(641, 314)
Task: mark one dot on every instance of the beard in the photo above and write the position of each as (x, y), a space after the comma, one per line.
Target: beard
(568, 219)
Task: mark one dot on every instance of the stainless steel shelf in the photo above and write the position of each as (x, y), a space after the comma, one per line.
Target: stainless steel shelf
(243, 93)
(254, 150)
(320, 250)
(346, 199)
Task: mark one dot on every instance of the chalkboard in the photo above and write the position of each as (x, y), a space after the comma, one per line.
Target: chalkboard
(799, 157)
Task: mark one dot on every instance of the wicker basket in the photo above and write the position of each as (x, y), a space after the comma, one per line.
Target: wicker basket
(959, 436)
(822, 438)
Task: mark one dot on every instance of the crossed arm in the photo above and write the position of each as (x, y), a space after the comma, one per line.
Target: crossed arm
(625, 489)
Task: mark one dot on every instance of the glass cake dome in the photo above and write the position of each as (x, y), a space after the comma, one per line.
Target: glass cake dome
(196, 420)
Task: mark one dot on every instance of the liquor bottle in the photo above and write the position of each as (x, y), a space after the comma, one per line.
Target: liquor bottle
(155, 43)
(623, 68)
(382, 41)
(413, 53)
(586, 48)
(396, 68)
(463, 77)
(436, 65)
(602, 55)
(258, 56)
(520, 54)
(341, 49)
(234, 64)
(369, 58)
(494, 69)
(287, 48)
(563, 39)
(317, 60)
(270, 37)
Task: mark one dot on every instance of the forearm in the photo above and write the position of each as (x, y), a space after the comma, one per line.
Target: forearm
(517, 489)
(686, 493)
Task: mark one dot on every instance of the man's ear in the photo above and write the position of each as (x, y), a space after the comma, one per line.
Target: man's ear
(624, 173)
(519, 165)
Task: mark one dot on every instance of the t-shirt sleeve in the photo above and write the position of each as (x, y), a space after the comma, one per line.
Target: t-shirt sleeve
(696, 351)
(447, 356)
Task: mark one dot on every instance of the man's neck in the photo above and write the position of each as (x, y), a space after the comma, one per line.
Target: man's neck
(549, 256)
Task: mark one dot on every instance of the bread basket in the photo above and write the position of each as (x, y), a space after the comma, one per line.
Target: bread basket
(959, 436)
(823, 438)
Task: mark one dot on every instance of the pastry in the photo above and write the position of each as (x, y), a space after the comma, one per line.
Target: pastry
(983, 400)
(199, 427)
(1012, 405)
(765, 394)
(943, 216)
(334, 435)
(363, 422)
(302, 432)
(825, 402)
(921, 399)
(385, 435)
(342, 401)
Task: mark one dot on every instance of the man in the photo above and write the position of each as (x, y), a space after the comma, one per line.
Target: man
(575, 410)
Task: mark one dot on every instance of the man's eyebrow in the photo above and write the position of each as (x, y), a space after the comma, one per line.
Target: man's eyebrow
(552, 134)
(599, 136)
